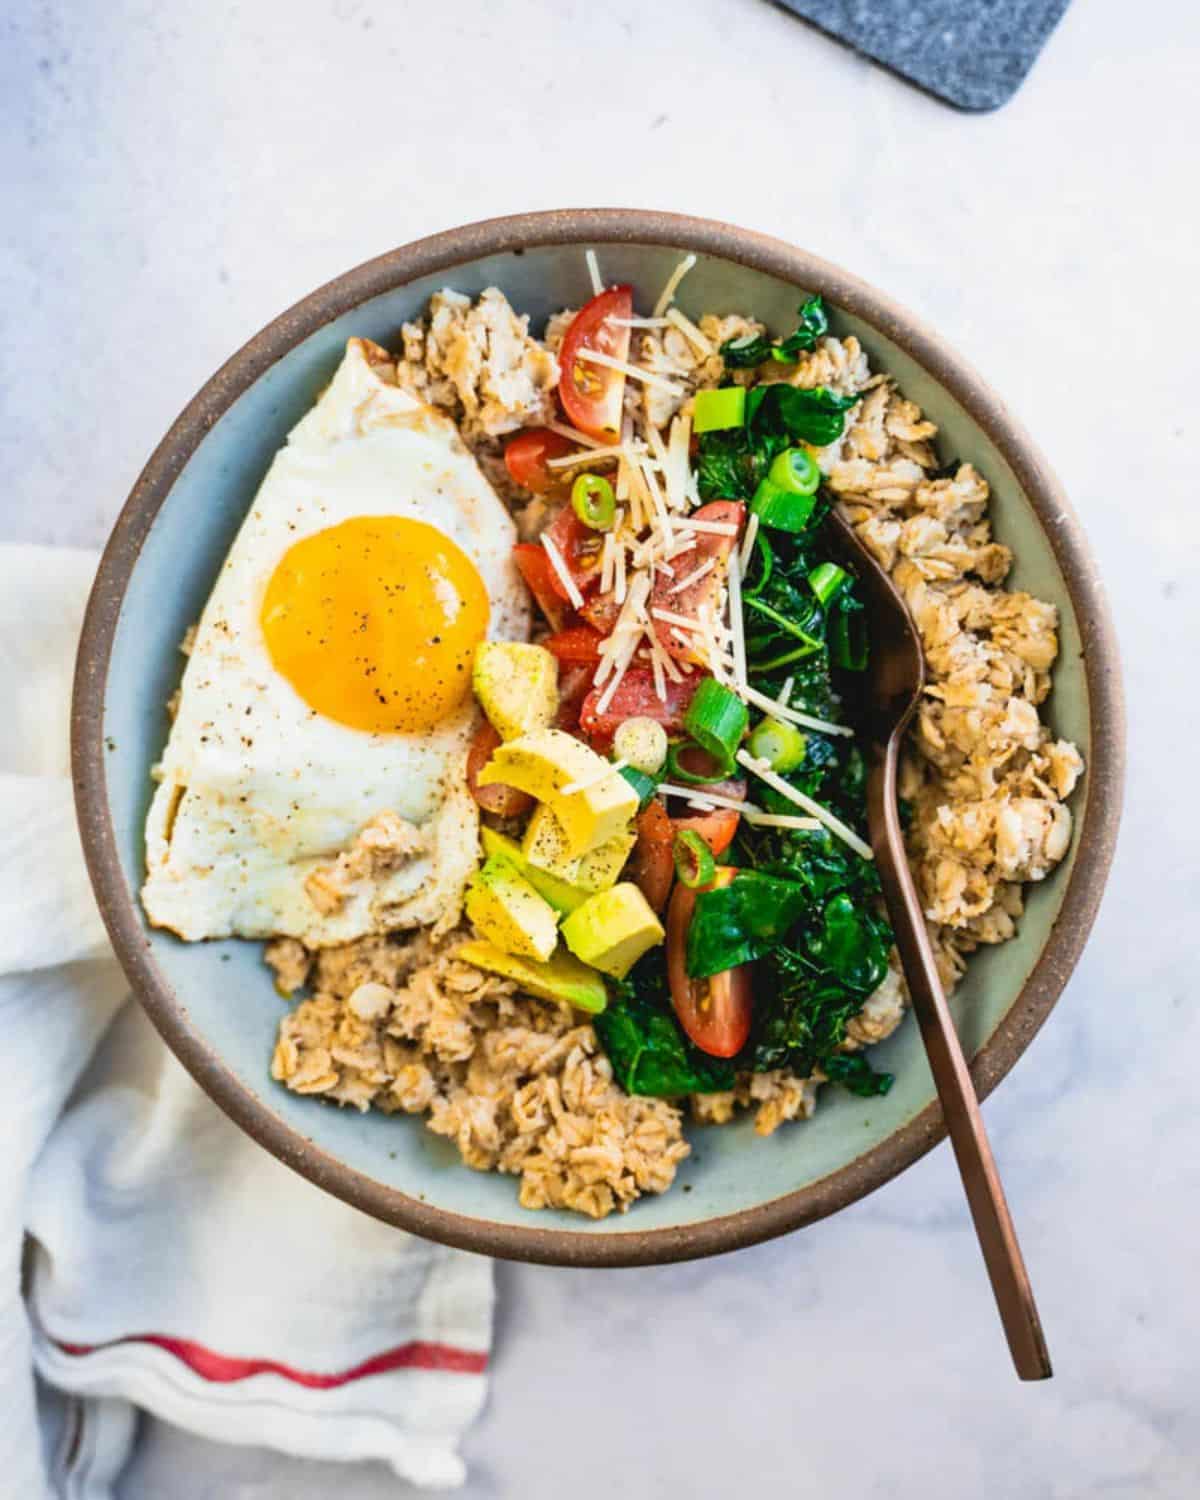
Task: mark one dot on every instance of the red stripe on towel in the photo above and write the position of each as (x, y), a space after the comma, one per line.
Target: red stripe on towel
(222, 1369)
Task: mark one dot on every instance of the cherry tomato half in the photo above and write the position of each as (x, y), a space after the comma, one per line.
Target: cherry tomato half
(637, 697)
(525, 458)
(652, 864)
(715, 1012)
(504, 801)
(580, 548)
(592, 394)
(542, 582)
(602, 612)
(691, 600)
(574, 684)
(717, 827)
(578, 644)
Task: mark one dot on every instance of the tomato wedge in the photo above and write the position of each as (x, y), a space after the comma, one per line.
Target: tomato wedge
(717, 827)
(692, 599)
(504, 801)
(578, 644)
(574, 683)
(525, 458)
(542, 582)
(602, 612)
(715, 1012)
(592, 394)
(636, 697)
(652, 864)
(580, 547)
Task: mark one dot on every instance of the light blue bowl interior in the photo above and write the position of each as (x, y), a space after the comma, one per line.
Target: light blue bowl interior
(224, 987)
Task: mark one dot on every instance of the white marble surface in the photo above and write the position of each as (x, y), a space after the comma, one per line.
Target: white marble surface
(176, 174)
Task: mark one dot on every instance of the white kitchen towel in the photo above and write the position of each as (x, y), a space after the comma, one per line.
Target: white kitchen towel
(169, 1263)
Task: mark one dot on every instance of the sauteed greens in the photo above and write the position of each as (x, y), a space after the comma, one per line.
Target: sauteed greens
(804, 907)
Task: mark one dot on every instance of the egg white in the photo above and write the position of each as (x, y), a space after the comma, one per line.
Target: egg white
(257, 789)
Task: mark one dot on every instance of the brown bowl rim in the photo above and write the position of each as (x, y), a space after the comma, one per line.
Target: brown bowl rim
(1098, 819)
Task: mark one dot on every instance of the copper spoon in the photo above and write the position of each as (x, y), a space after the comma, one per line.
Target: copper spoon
(892, 691)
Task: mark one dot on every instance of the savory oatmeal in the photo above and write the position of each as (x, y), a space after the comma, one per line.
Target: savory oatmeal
(618, 869)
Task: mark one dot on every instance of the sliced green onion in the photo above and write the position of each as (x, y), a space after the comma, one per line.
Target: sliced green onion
(593, 501)
(694, 862)
(795, 470)
(826, 579)
(681, 773)
(784, 509)
(645, 786)
(716, 410)
(641, 742)
(716, 719)
(766, 567)
(781, 745)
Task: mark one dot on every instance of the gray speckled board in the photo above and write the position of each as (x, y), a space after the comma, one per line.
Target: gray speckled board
(973, 53)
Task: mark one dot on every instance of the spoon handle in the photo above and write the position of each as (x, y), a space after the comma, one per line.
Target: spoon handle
(960, 1106)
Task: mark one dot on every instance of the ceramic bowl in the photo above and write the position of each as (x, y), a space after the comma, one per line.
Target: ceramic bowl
(214, 1003)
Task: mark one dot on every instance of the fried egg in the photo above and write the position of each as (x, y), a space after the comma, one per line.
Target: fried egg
(313, 784)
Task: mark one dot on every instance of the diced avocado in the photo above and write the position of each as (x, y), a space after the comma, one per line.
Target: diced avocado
(545, 848)
(561, 978)
(562, 896)
(509, 912)
(544, 762)
(597, 813)
(599, 869)
(545, 844)
(541, 762)
(517, 686)
(612, 929)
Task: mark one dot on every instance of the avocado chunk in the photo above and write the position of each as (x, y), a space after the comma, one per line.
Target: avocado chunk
(517, 686)
(612, 929)
(509, 912)
(544, 848)
(545, 845)
(598, 869)
(547, 761)
(560, 978)
(561, 894)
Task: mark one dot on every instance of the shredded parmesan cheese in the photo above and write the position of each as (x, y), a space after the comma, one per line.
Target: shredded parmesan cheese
(785, 789)
(593, 266)
(783, 820)
(733, 580)
(698, 796)
(575, 436)
(639, 322)
(668, 292)
(693, 577)
(602, 775)
(793, 715)
(683, 621)
(558, 563)
(607, 562)
(586, 456)
(714, 528)
(785, 692)
(690, 332)
(748, 541)
(595, 357)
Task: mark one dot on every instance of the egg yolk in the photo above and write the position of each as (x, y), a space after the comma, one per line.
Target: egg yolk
(375, 622)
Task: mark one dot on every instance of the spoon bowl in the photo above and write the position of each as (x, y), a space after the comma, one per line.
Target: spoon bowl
(890, 693)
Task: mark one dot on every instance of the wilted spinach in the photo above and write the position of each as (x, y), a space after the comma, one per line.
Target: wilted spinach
(752, 349)
(732, 462)
(855, 1073)
(741, 921)
(645, 1043)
